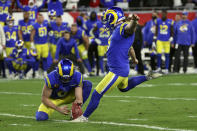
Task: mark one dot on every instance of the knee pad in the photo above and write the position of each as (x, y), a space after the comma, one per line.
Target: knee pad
(41, 116)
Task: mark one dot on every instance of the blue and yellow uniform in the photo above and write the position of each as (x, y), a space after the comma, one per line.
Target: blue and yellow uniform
(19, 61)
(79, 38)
(32, 11)
(26, 31)
(40, 39)
(117, 60)
(11, 34)
(4, 8)
(57, 34)
(63, 93)
(164, 34)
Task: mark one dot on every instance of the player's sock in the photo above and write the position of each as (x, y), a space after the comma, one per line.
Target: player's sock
(87, 65)
(133, 82)
(167, 60)
(87, 87)
(36, 65)
(94, 102)
(159, 60)
(101, 63)
(41, 116)
(45, 66)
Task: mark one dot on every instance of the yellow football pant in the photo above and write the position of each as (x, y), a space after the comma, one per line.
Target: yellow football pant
(163, 45)
(27, 44)
(111, 81)
(82, 51)
(42, 50)
(67, 100)
(9, 50)
(102, 49)
(52, 50)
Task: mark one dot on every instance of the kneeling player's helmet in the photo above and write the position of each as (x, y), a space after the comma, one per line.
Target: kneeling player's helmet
(10, 20)
(112, 16)
(65, 69)
(52, 13)
(19, 45)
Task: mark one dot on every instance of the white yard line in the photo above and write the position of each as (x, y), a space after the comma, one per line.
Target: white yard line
(193, 116)
(106, 123)
(153, 97)
(28, 105)
(136, 119)
(139, 97)
(15, 124)
(19, 93)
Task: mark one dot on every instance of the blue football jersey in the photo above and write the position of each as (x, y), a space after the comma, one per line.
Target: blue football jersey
(11, 35)
(103, 35)
(58, 30)
(17, 55)
(117, 54)
(79, 36)
(41, 33)
(26, 29)
(164, 29)
(4, 7)
(59, 89)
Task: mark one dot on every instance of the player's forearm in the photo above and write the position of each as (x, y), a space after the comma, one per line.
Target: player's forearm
(20, 35)
(86, 42)
(130, 28)
(78, 95)
(48, 103)
(132, 53)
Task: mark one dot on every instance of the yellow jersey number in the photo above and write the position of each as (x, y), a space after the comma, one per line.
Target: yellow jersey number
(42, 31)
(10, 36)
(26, 29)
(3, 10)
(163, 29)
(102, 33)
(32, 15)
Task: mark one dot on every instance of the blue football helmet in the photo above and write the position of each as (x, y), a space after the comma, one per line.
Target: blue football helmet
(112, 16)
(10, 20)
(19, 45)
(52, 13)
(65, 69)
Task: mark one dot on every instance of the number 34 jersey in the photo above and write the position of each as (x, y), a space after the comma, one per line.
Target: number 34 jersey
(41, 33)
(164, 29)
(11, 34)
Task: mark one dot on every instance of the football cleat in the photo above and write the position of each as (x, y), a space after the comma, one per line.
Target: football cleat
(152, 75)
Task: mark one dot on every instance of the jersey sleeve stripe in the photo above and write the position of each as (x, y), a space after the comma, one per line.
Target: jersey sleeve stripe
(121, 27)
(48, 82)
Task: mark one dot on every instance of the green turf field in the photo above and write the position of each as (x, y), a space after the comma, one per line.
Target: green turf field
(166, 103)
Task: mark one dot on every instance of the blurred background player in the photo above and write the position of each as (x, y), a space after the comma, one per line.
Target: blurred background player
(149, 31)
(19, 61)
(194, 49)
(83, 45)
(172, 49)
(164, 36)
(24, 30)
(64, 48)
(39, 42)
(11, 33)
(62, 86)
(184, 38)
(4, 10)
(57, 27)
(55, 5)
(2, 52)
(120, 43)
(32, 8)
(101, 39)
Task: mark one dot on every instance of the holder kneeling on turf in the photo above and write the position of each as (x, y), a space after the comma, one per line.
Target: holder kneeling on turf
(63, 86)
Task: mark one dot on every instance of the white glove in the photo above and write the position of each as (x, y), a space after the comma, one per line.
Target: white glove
(98, 41)
(176, 46)
(33, 46)
(153, 45)
(171, 39)
(154, 37)
(85, 53)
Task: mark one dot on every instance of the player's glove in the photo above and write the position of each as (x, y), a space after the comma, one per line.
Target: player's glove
(171, 39)
(33, 46)
(76, 111)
